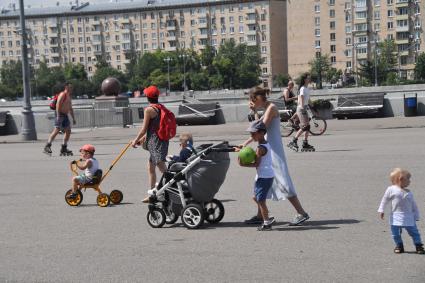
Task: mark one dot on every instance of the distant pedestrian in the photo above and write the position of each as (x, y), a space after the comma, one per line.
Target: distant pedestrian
(63, 108)
(302, 107)
(404, 212)
(290, 100)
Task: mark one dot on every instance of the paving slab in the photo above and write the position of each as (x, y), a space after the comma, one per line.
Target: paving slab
(42, 239)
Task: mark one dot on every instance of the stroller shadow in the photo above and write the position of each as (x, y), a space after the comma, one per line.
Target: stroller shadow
(337, 150)
(227, 200)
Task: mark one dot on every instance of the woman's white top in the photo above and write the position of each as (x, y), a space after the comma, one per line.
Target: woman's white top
(305, 93)
(89, 172)
(404, 211)
(265, 169)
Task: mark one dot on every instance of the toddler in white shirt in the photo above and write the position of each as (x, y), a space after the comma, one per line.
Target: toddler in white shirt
(404, 212)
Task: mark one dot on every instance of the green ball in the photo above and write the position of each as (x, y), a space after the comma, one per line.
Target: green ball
(247, 155)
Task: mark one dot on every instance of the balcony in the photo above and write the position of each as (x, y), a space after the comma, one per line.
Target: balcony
(360, 56)
(250, 21)
(400, 4)
(170, 48)
(96, 32)
(54, 54)
(403, 28)
(203, 36)
(95, 23)
(97, 52)
(360, 20)
(54, 64)
(251, 43)
(171, 28)
(202, 25)
(402, 41)
(402, 17)
(125, 21)
(53, 43)
(171, 38)
(360, 9)
(251, 32)
(251, 11)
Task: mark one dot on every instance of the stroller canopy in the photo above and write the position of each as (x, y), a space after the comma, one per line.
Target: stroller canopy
(205, 178)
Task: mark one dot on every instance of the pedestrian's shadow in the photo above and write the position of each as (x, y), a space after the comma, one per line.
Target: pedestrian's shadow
(110, 205)
(284, 226)
(315, 225)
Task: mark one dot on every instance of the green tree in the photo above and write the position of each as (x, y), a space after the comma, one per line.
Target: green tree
(281, 80)
(319, 66)
(420, 67)
(75, 72)
(333, 75)
(11, 78)
(46, 78)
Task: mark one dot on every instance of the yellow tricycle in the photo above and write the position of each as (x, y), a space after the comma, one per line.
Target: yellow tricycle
(103, 199)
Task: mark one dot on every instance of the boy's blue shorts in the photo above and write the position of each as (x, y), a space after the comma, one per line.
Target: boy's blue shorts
(262, 187)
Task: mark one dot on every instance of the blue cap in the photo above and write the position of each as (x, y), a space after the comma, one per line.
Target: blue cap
(256, 126)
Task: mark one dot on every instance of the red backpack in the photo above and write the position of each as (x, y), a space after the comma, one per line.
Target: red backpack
(53, 102)
(167, 123)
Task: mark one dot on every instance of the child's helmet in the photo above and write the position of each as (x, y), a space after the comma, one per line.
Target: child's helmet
(88, 148)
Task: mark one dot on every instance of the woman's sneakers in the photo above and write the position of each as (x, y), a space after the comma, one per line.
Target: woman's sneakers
(257, 220)
(267, 225)
(299, 219)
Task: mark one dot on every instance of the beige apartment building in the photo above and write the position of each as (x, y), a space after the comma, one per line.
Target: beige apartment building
(346, 30)
(84, 33)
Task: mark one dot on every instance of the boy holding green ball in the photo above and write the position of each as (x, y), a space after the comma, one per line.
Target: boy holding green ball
(262, 161)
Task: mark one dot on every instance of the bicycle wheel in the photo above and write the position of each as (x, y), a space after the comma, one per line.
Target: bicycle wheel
(317, 126)
(286, 128)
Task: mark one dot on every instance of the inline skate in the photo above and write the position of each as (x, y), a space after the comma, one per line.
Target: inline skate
(48, 149)
(293, 145)
(65, 151)
(307, 147)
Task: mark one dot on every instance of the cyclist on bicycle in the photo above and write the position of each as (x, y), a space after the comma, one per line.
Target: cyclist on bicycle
(290, 101)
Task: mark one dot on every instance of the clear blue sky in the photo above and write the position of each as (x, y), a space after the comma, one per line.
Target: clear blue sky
(47, 3)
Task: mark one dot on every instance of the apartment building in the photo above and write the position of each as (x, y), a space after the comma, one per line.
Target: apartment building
(84, 33)
(347, 30)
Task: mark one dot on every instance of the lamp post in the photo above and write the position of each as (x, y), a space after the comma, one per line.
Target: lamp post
(168, 59)
(28, 123)
(376, 58)
(184, 56)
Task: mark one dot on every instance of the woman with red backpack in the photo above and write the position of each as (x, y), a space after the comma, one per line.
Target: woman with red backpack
(159, 126)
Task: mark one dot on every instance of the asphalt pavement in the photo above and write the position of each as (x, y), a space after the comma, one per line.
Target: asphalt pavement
(42, 239)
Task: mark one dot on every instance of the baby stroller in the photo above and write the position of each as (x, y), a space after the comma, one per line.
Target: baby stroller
(188, 189)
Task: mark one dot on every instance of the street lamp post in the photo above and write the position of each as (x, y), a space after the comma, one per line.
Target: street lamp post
(168, 59)
(28, 123)
(184, 56)
(376, 58)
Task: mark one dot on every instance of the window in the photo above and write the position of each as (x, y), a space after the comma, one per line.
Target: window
(333, 59)
(332, 25)
(332, 13)
(332, 36)
(390, 13)
(390, 25)
(377, 15)
(317, 21)
(317, 8)
(333, 48)
(348, 41)
(331, 2)
(317, 44)
(389, 2)
(317, 32)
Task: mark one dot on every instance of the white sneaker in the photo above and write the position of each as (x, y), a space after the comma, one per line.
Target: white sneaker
(152, 192)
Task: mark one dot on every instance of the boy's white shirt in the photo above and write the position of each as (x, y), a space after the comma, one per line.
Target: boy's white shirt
(404, 211)
(89, 172)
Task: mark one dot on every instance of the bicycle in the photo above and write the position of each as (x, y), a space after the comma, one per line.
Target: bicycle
(318, 125)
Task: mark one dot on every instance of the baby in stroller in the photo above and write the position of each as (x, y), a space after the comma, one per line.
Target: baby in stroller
(186, 145)
(187, 189)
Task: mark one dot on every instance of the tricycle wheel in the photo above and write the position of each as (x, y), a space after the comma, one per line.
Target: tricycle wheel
(214, 211)
(156, 218)
(193, 216)
(75, 201)
(103, 200)
(116, 196)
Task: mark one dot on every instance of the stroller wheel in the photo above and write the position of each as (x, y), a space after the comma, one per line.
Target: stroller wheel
(214, 211)
(102, 200)
(156, 218)
(193, 216)
(116, 196)
(75, 201)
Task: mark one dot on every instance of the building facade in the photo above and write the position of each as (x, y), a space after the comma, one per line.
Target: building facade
(347, 31)
(84, 33)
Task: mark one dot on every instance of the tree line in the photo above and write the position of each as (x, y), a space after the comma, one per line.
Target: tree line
(232, 66)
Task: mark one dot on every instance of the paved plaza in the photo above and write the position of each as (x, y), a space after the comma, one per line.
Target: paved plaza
(42, 239)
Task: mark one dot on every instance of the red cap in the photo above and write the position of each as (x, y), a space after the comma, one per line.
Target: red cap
(151, 92)
(88, 148)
